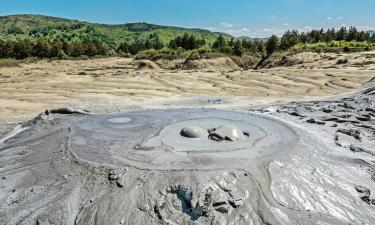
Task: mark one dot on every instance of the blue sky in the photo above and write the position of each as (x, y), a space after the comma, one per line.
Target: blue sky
(256, 18)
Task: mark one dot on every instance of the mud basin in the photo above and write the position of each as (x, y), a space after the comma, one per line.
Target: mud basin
(153, 139)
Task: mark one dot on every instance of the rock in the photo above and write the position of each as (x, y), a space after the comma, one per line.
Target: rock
(329, 119)
(235, 203)
(363, 190)
(120, 182)
(311, 121)
(365, 194)
(369, 90)
(356, 149)
(117, 176)
(219, 203)
(295, 113)
(315, 122)
(327, 110)
(41, 222)
(113, 177)
(111, 172)
(350, 132)
(368, 109)
(348, 106)
(366, 199)
(205, 201)
(222, 209)
(66, 110)
(363, 118)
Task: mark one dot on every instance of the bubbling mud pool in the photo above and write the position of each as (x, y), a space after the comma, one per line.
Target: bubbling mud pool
(160, 139)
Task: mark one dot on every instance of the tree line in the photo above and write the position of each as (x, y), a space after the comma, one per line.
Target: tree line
(291, 38)
(24, 48)
(44, 48)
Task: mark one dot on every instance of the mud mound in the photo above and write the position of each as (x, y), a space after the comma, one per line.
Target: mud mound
(169, 64)
(292, 59)
(222, 63)
(146, 64)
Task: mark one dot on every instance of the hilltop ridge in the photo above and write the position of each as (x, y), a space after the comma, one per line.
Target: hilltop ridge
(55, 28)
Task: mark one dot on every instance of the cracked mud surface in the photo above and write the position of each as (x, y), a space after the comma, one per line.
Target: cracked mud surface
(303, 163)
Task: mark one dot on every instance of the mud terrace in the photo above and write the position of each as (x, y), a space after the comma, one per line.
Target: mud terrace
(196, 160)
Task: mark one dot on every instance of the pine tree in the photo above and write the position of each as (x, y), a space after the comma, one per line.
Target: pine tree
(272, 44)
(219, 44)
(237, 48)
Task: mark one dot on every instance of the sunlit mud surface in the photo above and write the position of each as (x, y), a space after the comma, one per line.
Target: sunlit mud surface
(152, 139)
(301, 163)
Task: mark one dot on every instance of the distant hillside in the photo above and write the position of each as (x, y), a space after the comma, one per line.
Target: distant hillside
(53, 28)
(371, 32)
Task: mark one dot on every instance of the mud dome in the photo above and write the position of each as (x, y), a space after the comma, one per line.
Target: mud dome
(153, 140)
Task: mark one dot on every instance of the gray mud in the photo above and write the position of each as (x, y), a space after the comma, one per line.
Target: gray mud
(152, 139)
(301, 163)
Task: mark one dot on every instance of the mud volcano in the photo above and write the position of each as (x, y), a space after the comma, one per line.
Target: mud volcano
(186, 166)
(178, 139)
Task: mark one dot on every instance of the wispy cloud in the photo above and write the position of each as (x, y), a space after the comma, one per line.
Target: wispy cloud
(238, 30)
(225, 24)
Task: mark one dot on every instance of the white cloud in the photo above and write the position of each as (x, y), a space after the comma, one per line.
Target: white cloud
(225, 24)
(329, 18)
(366, 28)
(229, 28)
(238, 30)
(340, 17)
(273, 17)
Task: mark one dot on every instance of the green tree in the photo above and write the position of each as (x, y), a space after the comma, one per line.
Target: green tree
(237, 48)
(272, 44)
(15, 30)
(55, 50)
(219, 43)
(352, 34)
(41, 49)
(123, 47)
(341, 34)
(289, 39)
(22, 49)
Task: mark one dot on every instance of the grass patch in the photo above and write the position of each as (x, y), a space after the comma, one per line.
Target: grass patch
(334, 46)
(9, 62)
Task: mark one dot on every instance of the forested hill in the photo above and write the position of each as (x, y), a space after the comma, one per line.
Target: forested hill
(66, 30)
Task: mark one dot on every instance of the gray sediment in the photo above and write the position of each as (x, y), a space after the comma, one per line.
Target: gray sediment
(300, 163)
